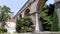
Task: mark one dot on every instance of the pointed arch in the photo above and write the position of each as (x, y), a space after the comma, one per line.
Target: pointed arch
(40, 4)
(27, 12)
(20, 16)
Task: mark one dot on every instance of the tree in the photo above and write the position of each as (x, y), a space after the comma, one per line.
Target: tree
(4, 14)
(49, 18)
(45, 19)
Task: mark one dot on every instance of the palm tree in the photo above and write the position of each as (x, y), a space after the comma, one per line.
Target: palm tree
(4, 14)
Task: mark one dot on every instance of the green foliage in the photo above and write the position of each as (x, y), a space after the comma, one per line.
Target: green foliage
(45, 19)
(55, 23)
(49, 18)
(2, 30)
(4, 14)
(24, 25)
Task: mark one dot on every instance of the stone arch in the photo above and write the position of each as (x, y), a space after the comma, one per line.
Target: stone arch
(40, 4)
(27, 12)
(39, 7)
(20, 16)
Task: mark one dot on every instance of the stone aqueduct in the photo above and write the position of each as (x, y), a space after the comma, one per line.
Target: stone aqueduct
(32, 8)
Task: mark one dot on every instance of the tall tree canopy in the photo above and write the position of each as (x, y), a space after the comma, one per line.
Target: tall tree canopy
(4, 14)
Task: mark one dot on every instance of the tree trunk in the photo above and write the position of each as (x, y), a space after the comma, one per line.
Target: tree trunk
(3, 24)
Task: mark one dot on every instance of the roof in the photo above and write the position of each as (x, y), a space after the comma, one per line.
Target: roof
(12, 20)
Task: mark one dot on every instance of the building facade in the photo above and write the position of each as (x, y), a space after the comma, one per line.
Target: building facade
(32, 8)
(11, 25)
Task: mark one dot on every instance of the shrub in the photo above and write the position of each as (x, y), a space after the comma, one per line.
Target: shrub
(55, 22)
(24, 25)
(2, 30)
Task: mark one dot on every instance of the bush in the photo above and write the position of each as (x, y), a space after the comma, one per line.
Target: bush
(24, 25)
(55, 22)
(2, 30)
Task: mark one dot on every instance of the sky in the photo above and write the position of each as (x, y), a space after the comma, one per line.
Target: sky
(15, 5)
(50, 2)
